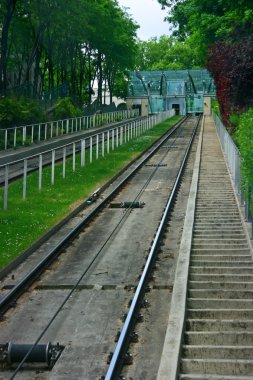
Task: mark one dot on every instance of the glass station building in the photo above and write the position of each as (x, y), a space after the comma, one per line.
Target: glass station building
(157, 91)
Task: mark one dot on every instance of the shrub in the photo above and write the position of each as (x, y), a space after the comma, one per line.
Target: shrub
(244, 137)
(65, 109)
(215, 107)
(14, 111)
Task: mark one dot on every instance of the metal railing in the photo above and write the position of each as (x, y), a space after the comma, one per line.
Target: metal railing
(91, 147)
(29, 134)
(234, 161)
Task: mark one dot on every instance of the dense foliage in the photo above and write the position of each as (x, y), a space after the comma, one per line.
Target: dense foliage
(14, 112)
(221, 32)
(166, 53)
(231, 64)
(51, 43)
(244, 137)
(206, 21)
(64, 109)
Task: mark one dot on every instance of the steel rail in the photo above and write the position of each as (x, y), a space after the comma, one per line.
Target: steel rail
(117, 359)
(11, 297)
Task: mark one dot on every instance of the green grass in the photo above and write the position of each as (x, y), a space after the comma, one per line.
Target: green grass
(26, 221)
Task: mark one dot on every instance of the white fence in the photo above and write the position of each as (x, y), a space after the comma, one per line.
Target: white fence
(96, 145)
(28, 134)
(234, 160)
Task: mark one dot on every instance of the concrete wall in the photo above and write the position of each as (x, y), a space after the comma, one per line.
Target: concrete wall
(141, 103)
(177, 103)
(144, 107)
(207, 105)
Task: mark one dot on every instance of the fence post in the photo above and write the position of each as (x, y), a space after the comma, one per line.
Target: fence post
(74, 157)
(64, 153)
(103, 144)
(108, 141)
(91, 149)
(121, 135)
(15, 137)
(24, 179)
(39, 132)
(113, 130)
(82, 153)
(45, 131)
(52, 172)
(6, 175)
(6, 139)
(24, 135)
(117, 137)
(97, 145)
(40, 172)
(32, 134)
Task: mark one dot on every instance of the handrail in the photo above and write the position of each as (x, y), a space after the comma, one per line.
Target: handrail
(28, 134)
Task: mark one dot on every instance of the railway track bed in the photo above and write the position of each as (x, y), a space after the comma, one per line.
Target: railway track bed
(97, 273)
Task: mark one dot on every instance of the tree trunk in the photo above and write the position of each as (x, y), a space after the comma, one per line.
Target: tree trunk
(10, 8)
(100, 79)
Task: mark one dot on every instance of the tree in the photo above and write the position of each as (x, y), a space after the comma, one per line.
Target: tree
(206, 21)
(166, 53)
(49, 46)
(231, 64)
(7, 10)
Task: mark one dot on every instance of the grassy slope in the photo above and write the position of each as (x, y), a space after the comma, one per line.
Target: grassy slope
(25, 221)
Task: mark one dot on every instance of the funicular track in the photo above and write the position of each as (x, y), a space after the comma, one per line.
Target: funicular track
(210, 335)
(85, 322)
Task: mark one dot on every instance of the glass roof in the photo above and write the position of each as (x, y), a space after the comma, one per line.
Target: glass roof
(143, 83)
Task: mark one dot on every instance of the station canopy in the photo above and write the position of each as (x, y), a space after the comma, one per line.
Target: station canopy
(170, 83)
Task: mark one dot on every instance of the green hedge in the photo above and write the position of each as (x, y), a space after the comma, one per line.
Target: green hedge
(244, 139)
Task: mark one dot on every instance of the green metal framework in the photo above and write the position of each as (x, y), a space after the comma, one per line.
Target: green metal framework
(143, 83)
(158, 86)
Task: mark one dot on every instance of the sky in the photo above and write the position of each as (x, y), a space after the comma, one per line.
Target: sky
(149, 15)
